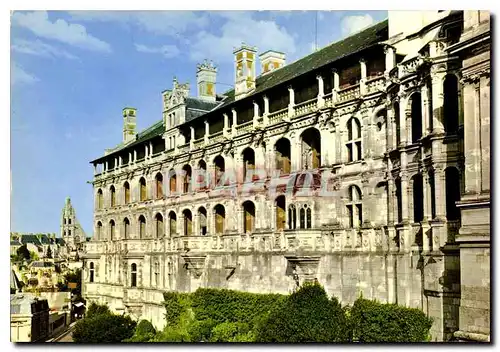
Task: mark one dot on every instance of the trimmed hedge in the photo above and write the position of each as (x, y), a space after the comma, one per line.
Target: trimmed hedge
(373, 321)
(307, 315)
(103, 328)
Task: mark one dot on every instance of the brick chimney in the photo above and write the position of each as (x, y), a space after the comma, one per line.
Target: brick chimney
(206, 74)
(271, 60)
(244, 64)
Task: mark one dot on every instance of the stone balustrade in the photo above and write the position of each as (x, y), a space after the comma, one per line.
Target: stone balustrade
(278, 116)
(245, 127)
(376, 84)
(306, 107)
(349, 93)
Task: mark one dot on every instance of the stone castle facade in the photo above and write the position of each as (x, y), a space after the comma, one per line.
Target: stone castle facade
(364, 165)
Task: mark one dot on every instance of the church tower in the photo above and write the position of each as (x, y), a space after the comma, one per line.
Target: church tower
(71, 231)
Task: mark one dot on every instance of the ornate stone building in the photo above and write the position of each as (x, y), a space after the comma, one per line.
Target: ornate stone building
(71, 231)
(345, 166)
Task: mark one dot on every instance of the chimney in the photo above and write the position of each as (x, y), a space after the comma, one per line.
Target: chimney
(271, 60)
(129, 124)
(206, 77)
(244, 63)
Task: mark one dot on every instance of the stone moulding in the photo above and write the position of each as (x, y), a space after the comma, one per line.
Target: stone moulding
(194, 264)
(304, 267)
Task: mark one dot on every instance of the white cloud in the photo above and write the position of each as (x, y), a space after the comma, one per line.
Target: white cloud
(241, 27)
(355, 23)
(172, 23)
(19, 76)
(73, 34)
(168, 51)
(39, 48)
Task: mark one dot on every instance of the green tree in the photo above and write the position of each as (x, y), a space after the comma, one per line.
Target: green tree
(49, 253)
(307, 315)
(96, 309)
(23, 253)
(144, 332)
(75, 277)
(104, 328)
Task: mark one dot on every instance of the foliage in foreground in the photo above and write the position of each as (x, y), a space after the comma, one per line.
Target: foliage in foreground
(104, 328)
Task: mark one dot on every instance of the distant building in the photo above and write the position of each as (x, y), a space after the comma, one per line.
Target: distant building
(29, 318)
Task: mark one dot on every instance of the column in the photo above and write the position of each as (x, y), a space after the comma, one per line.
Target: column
(472, 137)
(145, 152)
(130, 158)
(325, 144)
(120, 161)
(402, 120)
(207, 131)
(226, 125)
(390, 59)
(150, 150)
(235, 122)
(255, 114)
(296, 157)
(390, 201)
(266, 110)
(196, 224)
(404, 197)
(106, 166)
(291, 104)
(440, 192)
(362, 82)
(191, 141)
(336, 85)
(437, 103)
(321, 91)
(390, 129)
(425, 110)
(239, 221)
(116, 163)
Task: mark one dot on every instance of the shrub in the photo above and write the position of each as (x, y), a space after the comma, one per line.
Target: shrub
(144, 332)
(231, 332)
(96, 309)
(176, 304)
(307, 315)
(201, 330)
(172, 334)
(103, 328)
(373, 321)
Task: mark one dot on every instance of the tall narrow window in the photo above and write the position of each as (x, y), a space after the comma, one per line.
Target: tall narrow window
(126, 188)
(99, 230)
(202, 176)
(311, 149)
(220, 217)
(91, 272)
(100, 201)
(353, 140)
(248, 163)
(186, 185)
(159, 225)
(433, 193)
(283, 155)
(416, 117)
(450, 101)
(220, 168)
(302, 216)
(159, 185)
(280, 213)
(112, 230)
(354, 207)
(308, 218)
(292, 217)
(188, 222)
(112, 194)
(418, 198)
(249, 217)
(399, 199)
(202, 219)
(173, 182)
(126, 228)
(133, 275)
(143, 192)
(156, 271)
(142, 227)
(397, 123)
(172, 218)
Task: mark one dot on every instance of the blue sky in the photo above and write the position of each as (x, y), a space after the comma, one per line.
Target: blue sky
(73, 72)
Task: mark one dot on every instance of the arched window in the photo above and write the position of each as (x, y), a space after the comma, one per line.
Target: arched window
(99, 230)
(354, 207)
(248, 163)
(311, 149)
(416, 117)
(172, 218)
(159, 225)
(133, 275)
(220, 168)
(397, 122)
(112, 230)
(452, 180)
(202, 218)
(126, 228)
(302, 217)
(280, 213)
(186, 185)
(202, 176)
(292, 217)
(305, 216)
(142, 227)
(450, 101)
(99, 199)
(173, 182)
(220, 218)
(112, 194)
(418, 198)
(308, 218)
(143, 192)
(353, 140)
(188, 222)
(159, 185)
(283, 155)
(249, 217)
(91, 271)
(126, 188)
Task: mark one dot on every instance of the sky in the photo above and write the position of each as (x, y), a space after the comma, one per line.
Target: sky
(73, 72)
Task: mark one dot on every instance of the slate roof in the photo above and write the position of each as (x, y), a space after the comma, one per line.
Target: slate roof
(40, 264)
(15, 242)
(60, 241)
(44, 239)
(365, 39)
(30, 239)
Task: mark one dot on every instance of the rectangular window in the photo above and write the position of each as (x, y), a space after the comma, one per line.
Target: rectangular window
(349, 152)
(358, 150)
(351, 216)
